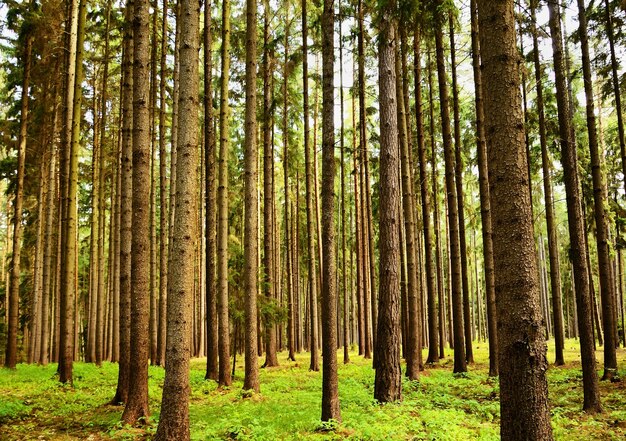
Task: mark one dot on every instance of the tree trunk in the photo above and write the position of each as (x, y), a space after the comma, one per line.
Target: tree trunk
(10, 360)
(330, 393)
(388, 380)
(121, 395)
(137, 405)
(251, 220)
(485, 205)
(458, 174)
(453, 214)
(553, 245)
(174, 420)
(524, 408)
(607, 288)
(433, 337)
(222, 205)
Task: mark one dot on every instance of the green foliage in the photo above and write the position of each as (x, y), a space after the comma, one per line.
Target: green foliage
(438, 407)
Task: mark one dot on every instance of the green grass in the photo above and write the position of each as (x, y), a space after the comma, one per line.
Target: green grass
(441, 406)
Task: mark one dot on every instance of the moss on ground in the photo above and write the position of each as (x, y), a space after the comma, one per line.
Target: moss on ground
(441, 406)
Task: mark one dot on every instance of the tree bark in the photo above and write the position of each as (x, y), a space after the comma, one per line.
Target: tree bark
(174, 420)
(388, 381)
(524, 408)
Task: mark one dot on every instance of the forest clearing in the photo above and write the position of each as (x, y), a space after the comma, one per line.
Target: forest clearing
(440, 406)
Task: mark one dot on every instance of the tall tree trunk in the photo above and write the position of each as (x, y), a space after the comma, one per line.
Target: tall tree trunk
(458, 174)
(453, 217)
(174, 420)
(330, 393)
(137, 405)
(553, 245)
(580, 266)
(121, 394)
(222, 205)
(310, 213)
(388, 380)
(433, 337)
(607, 288)
(522, 349)
(268, 205)
(10, 360)
(68, 280)
(163, 184)
(485, 204)
(251, 220)
(406, 175)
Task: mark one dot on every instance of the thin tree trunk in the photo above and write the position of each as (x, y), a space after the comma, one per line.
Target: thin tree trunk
(591, 400)
(485, 205)
(453, 215)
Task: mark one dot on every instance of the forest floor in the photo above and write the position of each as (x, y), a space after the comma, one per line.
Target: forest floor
(441, 406)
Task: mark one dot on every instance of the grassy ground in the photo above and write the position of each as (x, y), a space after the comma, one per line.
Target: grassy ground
(441, 406)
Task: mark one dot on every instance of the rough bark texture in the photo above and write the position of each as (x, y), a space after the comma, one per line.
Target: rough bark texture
(414, 343)
(121, 395)
(388, 380)
(578, 255)
(10, 360)
(222, 206)
(458, 179)
(607, 288)
(251, 220)
(553, 244)
(330, 392)
(431, 290)
(310, 213)
(485, 204)
(137, 405)
(174, 420)
(452, 204)
(268, 202)
(524, 408)
(163, 258)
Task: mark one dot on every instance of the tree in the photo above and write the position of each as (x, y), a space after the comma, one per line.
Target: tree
(137, 406)
(18, 202)
(222, 206)
(251, 221)
(174, 420)
(452, 204)
(524, 406)
(553, 245)
(607, 288)
(485, 205)
(578, 255)
(388, 380)
(330, 394)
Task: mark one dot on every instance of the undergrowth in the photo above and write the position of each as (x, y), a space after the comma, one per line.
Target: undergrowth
(440, 406)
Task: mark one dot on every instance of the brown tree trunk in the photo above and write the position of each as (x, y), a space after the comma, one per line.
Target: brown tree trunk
(607, 288)
(174, 419)
(121, 394)
(330, 393)
(553, 245)
(251, 220)
(525, 413)
(388, 384)
(485, 204)
(268, 205)
(431, 290)
(458, 174)
(222, 206)
(137, 405)
(453, 217)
